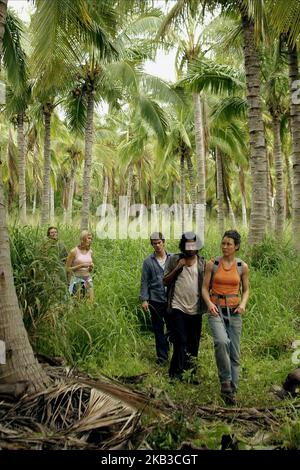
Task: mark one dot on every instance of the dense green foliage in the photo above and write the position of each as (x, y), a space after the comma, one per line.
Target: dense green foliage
(113, 336)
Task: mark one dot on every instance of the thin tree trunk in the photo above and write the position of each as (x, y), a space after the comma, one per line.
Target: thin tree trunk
(47, 165)
(220, 191)
(34, 172)
(113, 186)
(228, 203)
(89, 135)
(69, 209)
(289, 188)
(279, 197)
(105, 194)
(270, 196)
(191, 178)
(295, 130)
(182, 188)
(174, 192)
(243, 196)
(11, 170)
(51, 197)
(129, 183)
(258, 216)
(21, 168)
(3, 8)
(200, 155)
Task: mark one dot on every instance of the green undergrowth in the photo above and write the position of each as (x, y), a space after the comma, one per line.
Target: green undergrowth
(113, 335)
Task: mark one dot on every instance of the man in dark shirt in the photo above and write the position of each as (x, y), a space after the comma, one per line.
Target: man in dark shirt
(153, 294)
(53, 242)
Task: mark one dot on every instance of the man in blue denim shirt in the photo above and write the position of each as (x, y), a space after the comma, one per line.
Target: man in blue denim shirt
(153, 294)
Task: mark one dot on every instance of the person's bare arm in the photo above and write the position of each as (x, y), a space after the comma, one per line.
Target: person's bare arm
(212, 308)
(168, 278)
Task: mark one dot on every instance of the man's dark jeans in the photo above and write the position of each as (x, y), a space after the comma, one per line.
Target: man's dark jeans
(186, 332)
(160, 320)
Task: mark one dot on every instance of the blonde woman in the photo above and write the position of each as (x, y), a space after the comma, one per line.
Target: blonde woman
(79, 266)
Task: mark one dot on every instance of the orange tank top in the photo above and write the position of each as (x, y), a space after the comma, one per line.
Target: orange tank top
(226, 282)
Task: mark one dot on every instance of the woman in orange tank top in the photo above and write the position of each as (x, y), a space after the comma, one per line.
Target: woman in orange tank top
(225, 309)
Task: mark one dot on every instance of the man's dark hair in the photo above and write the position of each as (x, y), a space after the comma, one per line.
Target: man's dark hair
(188, 236)
(236, 237)
(157, 236)
(50, 228)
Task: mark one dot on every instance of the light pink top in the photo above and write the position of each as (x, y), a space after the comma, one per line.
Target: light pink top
(82, 258)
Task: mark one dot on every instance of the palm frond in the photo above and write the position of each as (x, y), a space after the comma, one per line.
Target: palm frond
(14, 56)
(145, 24)
(161, 90)
(285, 18)
(60, 29)
(229, 108)
(155, 116)
(123, 72)
(171, 18)
(207, 75)
(75, 108)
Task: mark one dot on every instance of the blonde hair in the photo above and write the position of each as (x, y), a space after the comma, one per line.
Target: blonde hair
(83, 236)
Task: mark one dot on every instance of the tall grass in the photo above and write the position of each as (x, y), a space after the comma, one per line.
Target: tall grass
(114, 335)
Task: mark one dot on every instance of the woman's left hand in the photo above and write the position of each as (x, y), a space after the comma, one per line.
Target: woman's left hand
(240, 309)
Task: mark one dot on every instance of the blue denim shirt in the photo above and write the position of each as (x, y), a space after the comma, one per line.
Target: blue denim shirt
(152, 286)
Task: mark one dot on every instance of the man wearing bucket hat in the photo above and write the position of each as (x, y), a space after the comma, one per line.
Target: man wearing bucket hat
(183, 276)
(153, 294)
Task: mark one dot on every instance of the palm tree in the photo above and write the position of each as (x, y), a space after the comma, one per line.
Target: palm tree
(285, 20)
(188, 50)
(21, 365)
(70, 38)
(256, 130)
(19, 94)
(275, 92)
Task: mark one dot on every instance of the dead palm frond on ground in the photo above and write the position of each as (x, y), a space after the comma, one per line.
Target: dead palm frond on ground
(76, 412)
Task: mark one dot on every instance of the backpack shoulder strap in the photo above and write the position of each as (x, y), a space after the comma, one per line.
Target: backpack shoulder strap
(239, 266)
(215, 267)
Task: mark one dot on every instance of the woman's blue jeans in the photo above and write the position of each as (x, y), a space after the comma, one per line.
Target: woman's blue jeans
(226, 334)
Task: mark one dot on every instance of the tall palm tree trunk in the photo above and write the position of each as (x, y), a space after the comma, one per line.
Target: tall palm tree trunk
(21, 168)
(105, 194)
(20, 363)
(243, 196)
(191, 178)
(3, 8)
(258, 165)
(228, 203)
(89, 135)
(47, 164)
(270, 196)
(70, 197)
(220, 191)
(289, 188)
(34, 170)
(129, 183)
(279, 196)
(52, 208)
(182, 188)
(295, 130)
(200, 155)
